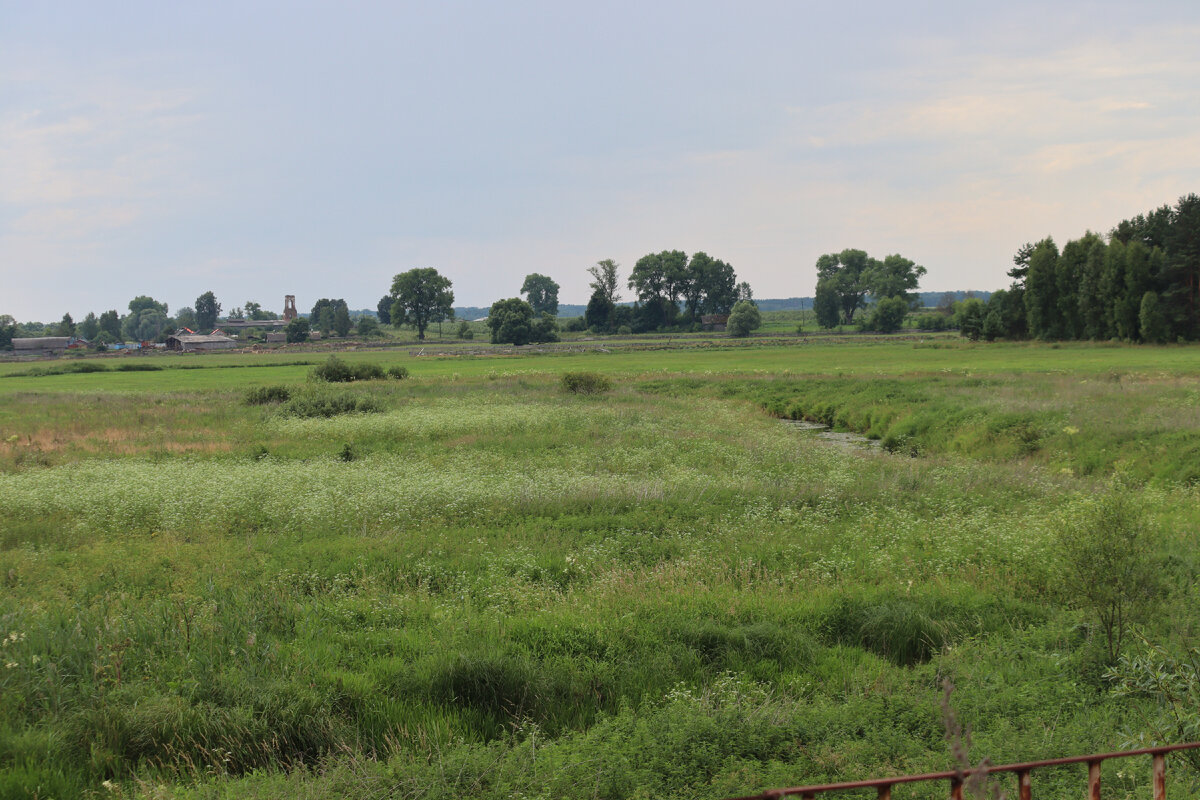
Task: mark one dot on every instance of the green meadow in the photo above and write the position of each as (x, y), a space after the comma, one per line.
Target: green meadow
(485, 586)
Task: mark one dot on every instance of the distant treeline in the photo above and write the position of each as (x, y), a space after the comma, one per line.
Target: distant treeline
(567, 310)
(1142, 285)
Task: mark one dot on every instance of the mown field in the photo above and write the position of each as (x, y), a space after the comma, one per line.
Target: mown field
(485, 586)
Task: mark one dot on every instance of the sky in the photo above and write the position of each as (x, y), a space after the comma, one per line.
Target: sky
(258, 149)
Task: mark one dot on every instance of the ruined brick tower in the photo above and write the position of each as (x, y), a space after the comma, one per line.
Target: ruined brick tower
(289, 307)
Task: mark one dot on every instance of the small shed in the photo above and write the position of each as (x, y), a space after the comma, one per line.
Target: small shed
(194, 342)
(41, 345)
(714, 322)
(276, 336)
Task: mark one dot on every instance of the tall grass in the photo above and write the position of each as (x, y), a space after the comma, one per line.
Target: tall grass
(508, 591)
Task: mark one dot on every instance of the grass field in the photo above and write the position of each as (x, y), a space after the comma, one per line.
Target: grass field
(489, 587)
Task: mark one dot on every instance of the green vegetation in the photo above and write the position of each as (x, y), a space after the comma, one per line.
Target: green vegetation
(492, 587)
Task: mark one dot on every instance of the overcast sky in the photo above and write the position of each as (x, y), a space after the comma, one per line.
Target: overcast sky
(317, 149)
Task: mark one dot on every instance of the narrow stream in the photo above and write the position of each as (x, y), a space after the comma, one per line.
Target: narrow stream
(846, 441)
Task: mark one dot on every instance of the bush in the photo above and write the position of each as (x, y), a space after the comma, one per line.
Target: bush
(397, 372)
(585, 383)
(1107, 563)
(334, 370)
(624, 330)
(263, 395)
(743, 318)
(464, 330)
(367, 372)
(329, 404)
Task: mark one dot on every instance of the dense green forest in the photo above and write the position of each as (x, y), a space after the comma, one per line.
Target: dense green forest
(1142, 285)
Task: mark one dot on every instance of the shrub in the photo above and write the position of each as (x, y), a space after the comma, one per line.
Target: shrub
(624, 330)
(397, 372)
(329, 404)
(138, 367)
(367, 372)
(1107, 563)
(743, 318)
(262, 395)
(585, 383)
(464, 330)
(334, 370)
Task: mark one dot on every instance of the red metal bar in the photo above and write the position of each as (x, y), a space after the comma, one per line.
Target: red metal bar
(1160, 776)
(1094, 779)
(956, 788)
(885, 792)
(1024, 786)
(951, 775)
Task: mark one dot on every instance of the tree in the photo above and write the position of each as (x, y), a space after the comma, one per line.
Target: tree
(541, 293)
(845, 274)
(297, 330)
(367, 326)
(384, 309)
(186, 318)
(968, 316)
(888, 314)
(89, 327)
(895, 276)
(826, 306)
(7, 332)
(341, 319)
(743, 318)
(207, 311)
(66, 327)
(744, 292)
(324, 315)
(599, 313)
(236, 313)
(604, 280)
(659, 279)
(511, 321)
(422, 296)
(142, 302)
(145, 326)
(710, 286)
(110, 323)
(1041, 291)
(1153, 323)
(252, 310)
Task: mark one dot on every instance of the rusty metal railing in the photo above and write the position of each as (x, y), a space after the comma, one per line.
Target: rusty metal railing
(957, 778)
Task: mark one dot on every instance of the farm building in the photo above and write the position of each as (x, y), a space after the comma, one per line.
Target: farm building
(194, 342)
(714, 322)
(276, 337)
(41, 345)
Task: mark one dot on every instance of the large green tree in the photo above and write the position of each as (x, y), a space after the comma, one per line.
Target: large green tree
(422, 296)
(110, 323)
(513, 321)
(605, 281)
(207, 311)
(845, 275)
(1041, 291)
(541, 292)
(710, 286)
(89, 327)
(658, 279)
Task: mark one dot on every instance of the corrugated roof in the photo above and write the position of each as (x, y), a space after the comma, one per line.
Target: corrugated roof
(40, 342)
(196, 338)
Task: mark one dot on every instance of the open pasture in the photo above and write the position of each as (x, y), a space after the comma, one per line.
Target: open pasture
(492, 588)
